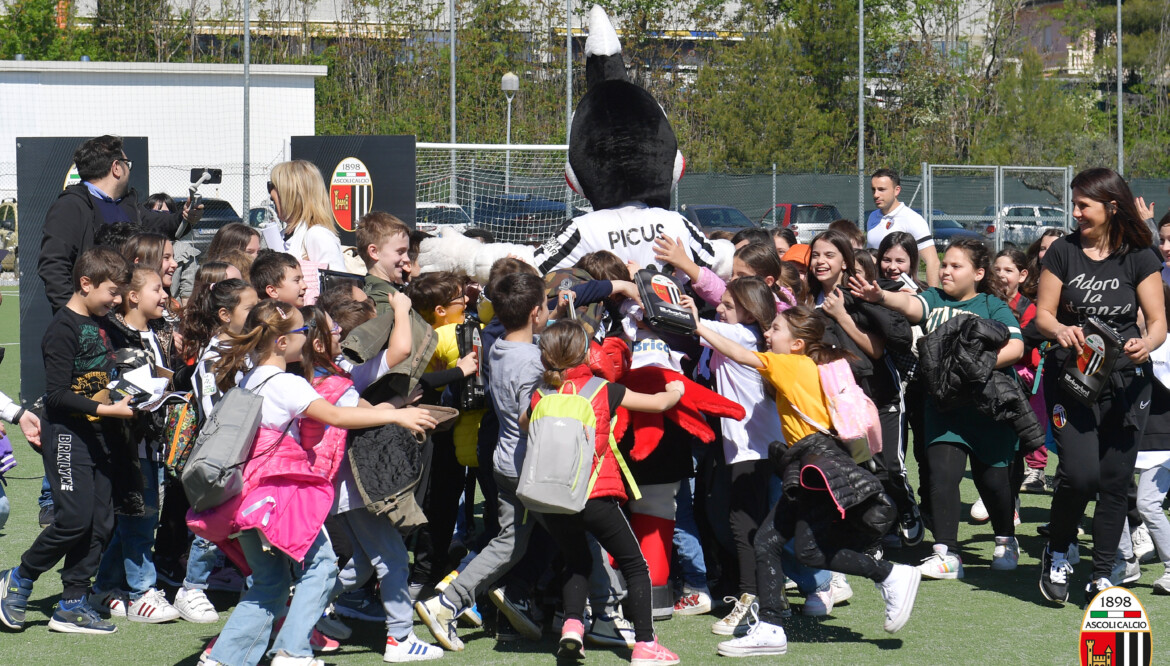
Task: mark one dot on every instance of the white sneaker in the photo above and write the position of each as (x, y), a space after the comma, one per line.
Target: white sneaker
(194, 606)
(109, 604)
(1007, 554)
(692, 602)
(1143, 545)
(819, 603)
(735, 623)
(282, 659)
(979, 511)
(152, 608)
(899, 590)
(842, 592)
(439, 617)
(1125, 571)
(942, 565)
(763, 639)
(1162, 585)
(410, 649)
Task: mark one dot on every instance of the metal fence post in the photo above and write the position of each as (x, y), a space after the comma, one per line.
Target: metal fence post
(773, 206)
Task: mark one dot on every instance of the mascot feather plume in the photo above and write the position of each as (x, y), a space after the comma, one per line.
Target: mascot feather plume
(623, 158)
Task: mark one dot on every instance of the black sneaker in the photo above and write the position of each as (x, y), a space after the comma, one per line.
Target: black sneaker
(1054, 573)
(505, 632)
(45, 517)
(518, 613)
(14, 593)
(79, 618)
(910, 526)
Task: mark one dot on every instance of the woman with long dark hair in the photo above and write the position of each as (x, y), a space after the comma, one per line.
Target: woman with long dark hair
(1105, 269)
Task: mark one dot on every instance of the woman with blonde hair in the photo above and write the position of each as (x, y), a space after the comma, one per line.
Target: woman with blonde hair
(302, 204)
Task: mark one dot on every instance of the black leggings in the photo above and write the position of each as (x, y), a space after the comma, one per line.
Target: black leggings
(441, 504)
(603, 518)
(749, 506)
(836, 547)
(891, 462)
(1098, 448)
(947, 464)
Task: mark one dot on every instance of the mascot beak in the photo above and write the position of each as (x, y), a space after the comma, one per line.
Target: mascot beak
(680, 166)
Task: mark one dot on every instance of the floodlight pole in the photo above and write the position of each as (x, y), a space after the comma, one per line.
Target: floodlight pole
(247, 107)
(860, 113)
(568, 93)
(451, 41)
(510, 83)
(1120, 123)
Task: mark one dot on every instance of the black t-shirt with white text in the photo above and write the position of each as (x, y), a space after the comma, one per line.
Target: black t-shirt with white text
(1106, 289)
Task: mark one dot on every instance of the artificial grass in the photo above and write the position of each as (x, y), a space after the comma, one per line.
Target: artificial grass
(988, 617)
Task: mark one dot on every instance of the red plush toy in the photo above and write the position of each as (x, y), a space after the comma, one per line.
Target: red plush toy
(696, 402)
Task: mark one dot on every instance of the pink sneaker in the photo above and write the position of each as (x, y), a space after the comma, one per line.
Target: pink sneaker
(572, 644)
(652, 654)
(322, 643)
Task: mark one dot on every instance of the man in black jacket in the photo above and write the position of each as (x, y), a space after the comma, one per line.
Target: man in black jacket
(103, 197)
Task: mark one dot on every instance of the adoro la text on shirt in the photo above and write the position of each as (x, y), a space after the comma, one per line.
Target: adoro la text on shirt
(1094, 291)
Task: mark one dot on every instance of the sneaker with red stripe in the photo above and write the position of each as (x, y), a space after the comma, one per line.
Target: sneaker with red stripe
(410, 649)
(152, 608)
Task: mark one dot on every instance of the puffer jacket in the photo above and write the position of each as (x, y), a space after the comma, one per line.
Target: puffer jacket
(288, 487)
(957, 363)
(817, 467)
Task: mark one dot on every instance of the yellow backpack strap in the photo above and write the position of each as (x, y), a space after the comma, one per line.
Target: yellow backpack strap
(621, 461)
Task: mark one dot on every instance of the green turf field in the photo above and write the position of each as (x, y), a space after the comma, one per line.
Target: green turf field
(987, 618)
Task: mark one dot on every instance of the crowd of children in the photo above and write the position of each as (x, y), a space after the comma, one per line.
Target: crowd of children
(388, 354)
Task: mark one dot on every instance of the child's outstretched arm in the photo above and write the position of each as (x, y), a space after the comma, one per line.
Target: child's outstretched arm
(352, 418)
(731, 349)
(898, 301)
(656, 403)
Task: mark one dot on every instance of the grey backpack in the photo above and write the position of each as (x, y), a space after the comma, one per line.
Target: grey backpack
(214, 472)
(558, 474)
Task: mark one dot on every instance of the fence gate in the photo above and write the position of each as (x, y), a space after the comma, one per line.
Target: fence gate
(1009, 205)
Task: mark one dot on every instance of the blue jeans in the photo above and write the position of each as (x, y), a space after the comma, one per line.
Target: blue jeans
(692, 568)
(244, 638)
(46, 498)
(201, 560)
(378, 549)
(129, 559)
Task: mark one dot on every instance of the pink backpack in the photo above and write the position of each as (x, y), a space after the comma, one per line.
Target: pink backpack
(854, 416)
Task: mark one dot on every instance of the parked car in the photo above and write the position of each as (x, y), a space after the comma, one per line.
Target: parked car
(432, 217)
(1024, 223)
(710, 217)
(521, 218)
(216, 213)
(806, 220)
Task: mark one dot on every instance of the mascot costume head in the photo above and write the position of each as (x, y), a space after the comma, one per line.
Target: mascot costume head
(624, 158)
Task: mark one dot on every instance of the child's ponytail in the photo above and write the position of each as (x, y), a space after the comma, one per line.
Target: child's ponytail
(201, 319)
(806, 325)
(268, 321)
(765, 263)
(563, 345)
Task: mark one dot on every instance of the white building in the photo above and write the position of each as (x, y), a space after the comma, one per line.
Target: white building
(191, 113)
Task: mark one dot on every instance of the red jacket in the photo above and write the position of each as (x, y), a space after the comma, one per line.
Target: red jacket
(609, 480)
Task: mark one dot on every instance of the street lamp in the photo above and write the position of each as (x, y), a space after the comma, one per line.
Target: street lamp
(510, 83)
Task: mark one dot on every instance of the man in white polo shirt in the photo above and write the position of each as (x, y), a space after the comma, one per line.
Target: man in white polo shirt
(892, 216)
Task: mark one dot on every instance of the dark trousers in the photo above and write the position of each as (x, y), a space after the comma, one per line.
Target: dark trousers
(948, 462)
(891, 462)
(485, 451)
(79, 470)
(749, 507)
(441, 505)
(1098, 449)
(172, 540)
(834, 546)
(604, 519)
